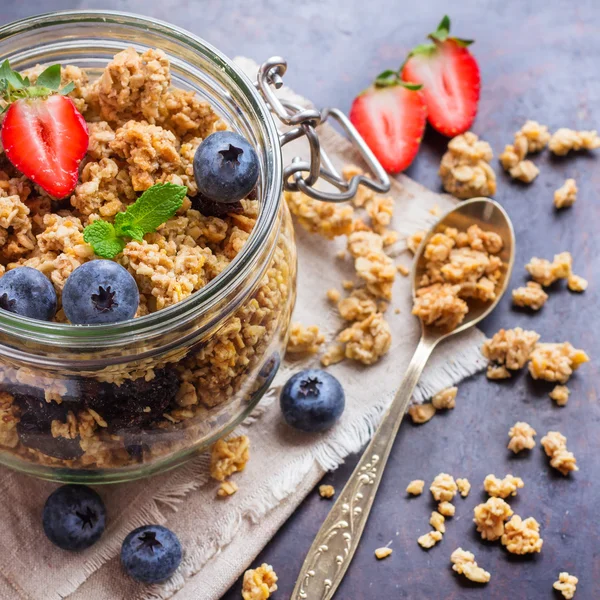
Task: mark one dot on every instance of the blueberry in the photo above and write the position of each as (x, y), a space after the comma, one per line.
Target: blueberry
(28, 292)
(312, 400)
(151, 554)
(98, 292)
(225, 167)
(74, 517)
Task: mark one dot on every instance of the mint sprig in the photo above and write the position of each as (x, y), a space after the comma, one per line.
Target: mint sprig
(13, 86)
(153, 208)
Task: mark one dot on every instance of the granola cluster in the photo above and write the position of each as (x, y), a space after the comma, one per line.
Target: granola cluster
(555, 362)
(259, 583)
(555, 446)
(560, 394)
(463, 562)
(465, 168)
(521, 437)
(304, 340)
(502, 488)
(566, 140)
(443, 488)
(531, 296)
(326, 491)
(489, 518)
(429, 540)
(459, 266)
(382, 553)
(522, 536)
(510, 348)
(566, 194)
(415, 487)
(229, 456)
(546, 272)
(566, 585)
(531, 138)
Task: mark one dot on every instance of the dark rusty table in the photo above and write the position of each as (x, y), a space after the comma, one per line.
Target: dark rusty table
(539, 60)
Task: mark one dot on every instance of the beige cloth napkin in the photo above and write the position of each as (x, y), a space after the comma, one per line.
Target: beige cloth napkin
(221, 537)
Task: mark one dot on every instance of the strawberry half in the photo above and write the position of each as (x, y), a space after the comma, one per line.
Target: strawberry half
(44, 136)
(391, 116)
(450, 77)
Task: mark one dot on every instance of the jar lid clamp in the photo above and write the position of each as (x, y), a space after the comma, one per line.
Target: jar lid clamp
(304, 122)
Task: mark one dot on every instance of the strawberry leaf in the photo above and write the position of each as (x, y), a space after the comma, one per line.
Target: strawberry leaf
(443, 31)
(101, 236)
(387, 78)
(50, 78)
(413, 87)
(462, 42)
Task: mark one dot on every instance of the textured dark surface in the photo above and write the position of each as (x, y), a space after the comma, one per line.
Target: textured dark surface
(539, 60)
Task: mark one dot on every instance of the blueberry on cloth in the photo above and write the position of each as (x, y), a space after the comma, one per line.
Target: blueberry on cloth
(74, 517)
(28, 292)
(151, 553)
(225, 167)
(312, 400)
(100, 292)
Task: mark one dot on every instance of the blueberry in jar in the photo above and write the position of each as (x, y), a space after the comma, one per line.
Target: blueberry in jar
(225, 167)
(151, 554)
(312, 400)
(74, 517)
(100, 292)
(28, 292)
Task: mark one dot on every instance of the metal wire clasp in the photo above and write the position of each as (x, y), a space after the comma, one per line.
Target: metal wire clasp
(302, 175)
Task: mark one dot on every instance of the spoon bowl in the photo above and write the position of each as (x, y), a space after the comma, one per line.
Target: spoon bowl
(490, 216)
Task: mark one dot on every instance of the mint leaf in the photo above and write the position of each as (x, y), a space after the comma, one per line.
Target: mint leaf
(101, 236)
(50, 78)
(12, 78)
(155, 206)
(67, 89)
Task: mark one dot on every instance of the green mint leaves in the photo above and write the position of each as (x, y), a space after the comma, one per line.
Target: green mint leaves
(153, 208)
(14, 86)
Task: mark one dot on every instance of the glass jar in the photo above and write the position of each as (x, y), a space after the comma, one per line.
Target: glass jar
(113, 403)
(101, 404)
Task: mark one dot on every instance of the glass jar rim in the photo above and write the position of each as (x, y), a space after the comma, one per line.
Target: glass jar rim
(219, 288)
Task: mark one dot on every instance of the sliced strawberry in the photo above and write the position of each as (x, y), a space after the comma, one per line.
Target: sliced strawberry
(450, 77)
(46, 139)
(391, 116)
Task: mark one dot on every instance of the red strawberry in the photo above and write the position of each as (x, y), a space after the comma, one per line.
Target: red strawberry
(390, 116)
(43, 134)
(450, 77)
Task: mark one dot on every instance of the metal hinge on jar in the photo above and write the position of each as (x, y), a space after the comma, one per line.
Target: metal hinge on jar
(302, 175)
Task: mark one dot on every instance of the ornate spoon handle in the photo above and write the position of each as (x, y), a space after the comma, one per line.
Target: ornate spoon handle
(336, 542)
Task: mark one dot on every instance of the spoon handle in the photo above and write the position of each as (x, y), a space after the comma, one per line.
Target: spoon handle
(336, 542)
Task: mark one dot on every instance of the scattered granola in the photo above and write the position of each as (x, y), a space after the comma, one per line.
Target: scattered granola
(489, 518)
(564, 140)
(464, 487)
(414, 241)
(497, 372)
(463, 562)
(227, 488)
(382, 553)
(259, 583)
(521, 437)
(502, 488)
(510, 347)
(522, 537)
(445, 399)
(532, 137)
(555, 362)
(404, 271)
(531, 296)
(334, 354)
(421, 413)
(333, 295)
(566, 585)
(566, 194)
(446, 508)
(443, 488)
(368, 340)
(465, 168)
(229, 456)
(437, 521)
(304, 340)
(439, 305)
(546, 273)
(415, 487)
(576, 283)
(325, 218)
(326, 491)
(555, 446)
(429, 540)
(560, 394)
(359, 305)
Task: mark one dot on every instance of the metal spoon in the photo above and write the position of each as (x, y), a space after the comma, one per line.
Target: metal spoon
(335, 544)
